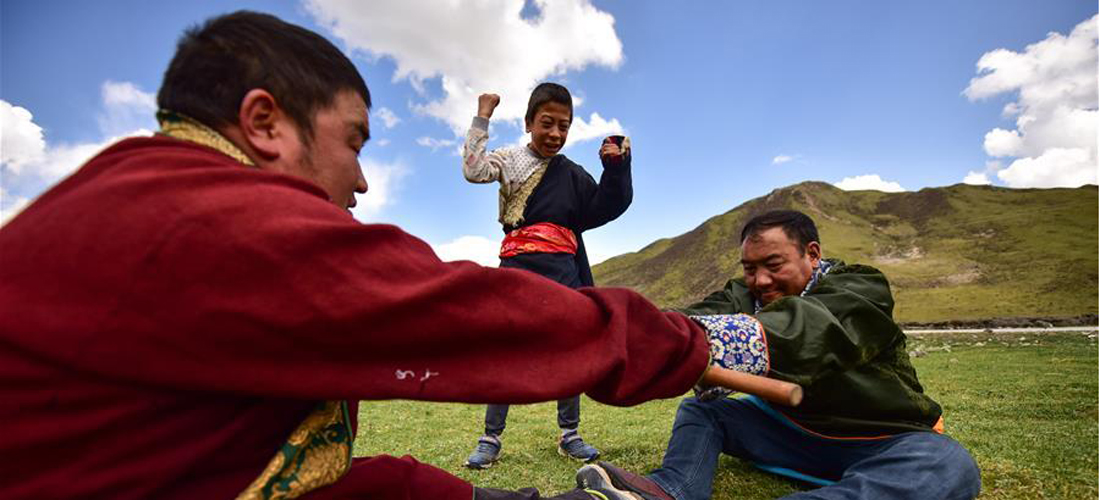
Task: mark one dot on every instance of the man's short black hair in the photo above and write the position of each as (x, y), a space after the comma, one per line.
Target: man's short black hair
(798, 226)
(548, 92)
(219, 62)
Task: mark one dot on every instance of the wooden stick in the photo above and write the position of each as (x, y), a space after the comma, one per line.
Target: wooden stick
(776, 391)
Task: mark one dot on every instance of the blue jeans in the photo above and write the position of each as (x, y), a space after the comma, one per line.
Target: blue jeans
(912, 465)
(569, 415)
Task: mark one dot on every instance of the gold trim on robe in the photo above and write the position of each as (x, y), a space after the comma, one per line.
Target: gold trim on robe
(316, 454)
(512, 206)
(185, 128)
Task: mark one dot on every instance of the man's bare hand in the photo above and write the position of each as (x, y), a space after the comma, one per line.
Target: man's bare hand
(486, 103)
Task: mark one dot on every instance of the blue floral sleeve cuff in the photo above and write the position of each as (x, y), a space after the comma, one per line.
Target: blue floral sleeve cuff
(737, 342)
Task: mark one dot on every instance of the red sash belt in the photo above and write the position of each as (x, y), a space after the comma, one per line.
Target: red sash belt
(544, 237)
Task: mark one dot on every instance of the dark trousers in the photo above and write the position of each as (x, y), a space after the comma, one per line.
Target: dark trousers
(569, 415)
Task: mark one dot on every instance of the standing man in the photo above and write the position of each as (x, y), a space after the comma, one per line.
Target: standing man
(197, 314)
(865, 428)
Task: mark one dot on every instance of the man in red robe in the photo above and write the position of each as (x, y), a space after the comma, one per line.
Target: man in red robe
(197, 314)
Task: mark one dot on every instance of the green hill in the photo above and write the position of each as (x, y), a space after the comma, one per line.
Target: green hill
(953, 253)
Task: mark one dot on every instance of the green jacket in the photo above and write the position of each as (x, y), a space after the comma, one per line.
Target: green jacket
(839, 341)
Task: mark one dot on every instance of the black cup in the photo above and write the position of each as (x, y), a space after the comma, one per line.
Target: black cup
(620, 140)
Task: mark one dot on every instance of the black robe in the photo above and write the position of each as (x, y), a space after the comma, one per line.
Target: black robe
(568, 196)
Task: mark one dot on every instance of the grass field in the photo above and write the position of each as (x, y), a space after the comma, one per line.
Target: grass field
(1024, 405)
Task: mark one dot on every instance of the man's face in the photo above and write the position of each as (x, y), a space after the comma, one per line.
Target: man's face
(331, 158)
(549, 128)
(774, 265)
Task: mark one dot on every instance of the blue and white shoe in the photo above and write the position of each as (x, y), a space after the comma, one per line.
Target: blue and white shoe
(486, 453)
(571, 445)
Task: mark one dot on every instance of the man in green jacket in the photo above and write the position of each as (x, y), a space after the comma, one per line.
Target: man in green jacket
(865, 428)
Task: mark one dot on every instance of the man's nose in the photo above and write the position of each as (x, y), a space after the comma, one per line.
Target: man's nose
(763, 279)
(361, 183)
(360, 187)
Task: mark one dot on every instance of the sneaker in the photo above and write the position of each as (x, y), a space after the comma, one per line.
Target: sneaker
(486, 454)
(618, 484)
(571, 445)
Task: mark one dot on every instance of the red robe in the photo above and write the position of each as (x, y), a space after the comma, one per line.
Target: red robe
(168, 316)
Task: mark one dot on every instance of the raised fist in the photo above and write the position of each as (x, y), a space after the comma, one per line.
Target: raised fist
(615, 150)
(486, 103)
(609, 148)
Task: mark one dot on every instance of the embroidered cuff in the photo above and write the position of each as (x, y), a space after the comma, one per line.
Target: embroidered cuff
(480, 123)
(737, 342)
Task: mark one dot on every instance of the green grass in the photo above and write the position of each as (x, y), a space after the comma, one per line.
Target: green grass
(1026, 409)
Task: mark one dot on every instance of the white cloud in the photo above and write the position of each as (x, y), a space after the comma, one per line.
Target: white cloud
(126, 108)
(872, 181)
(983, 176)
(127, 95)
(976, 178)
(475, 248)
(1054, 82)
(434, 144)
(56, 163)
(29, 165)
(382, 143)
(389, 119)
(11, 205)
(1001, 142)
(383, 182)
(595, 128)
(781, 159)
(477, 47)
(21, 141)
(1056, 167)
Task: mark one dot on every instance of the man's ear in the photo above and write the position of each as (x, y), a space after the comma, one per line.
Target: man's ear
(261, 123)
(813, 250)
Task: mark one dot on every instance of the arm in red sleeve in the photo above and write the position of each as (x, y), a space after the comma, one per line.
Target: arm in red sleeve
(269, 290)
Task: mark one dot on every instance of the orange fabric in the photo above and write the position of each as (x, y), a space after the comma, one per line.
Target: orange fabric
(939, 426)
(544, 237)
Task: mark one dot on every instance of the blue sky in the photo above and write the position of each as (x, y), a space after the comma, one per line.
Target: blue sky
(724, 101)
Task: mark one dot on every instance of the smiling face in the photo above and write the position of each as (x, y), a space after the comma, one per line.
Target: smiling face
(331, 158)
(777, 266)
(549, 128)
